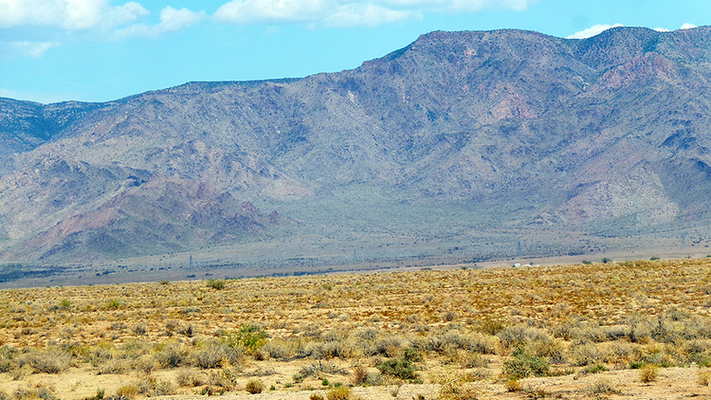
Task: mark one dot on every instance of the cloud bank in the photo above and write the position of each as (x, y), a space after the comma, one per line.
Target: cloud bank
(349, 13)
(597, 29)
(101, 15)
(592, 31)
(67, 14)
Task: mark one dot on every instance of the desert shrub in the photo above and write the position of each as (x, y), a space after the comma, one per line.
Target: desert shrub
(588, 332)
(223, 380)
(171, 355)
(50, 360)
(151, 386)
(491, 326)
(360, 375)
(602, 386)
(703, 378)
(249, 337)
(315, 396)
(700, 359)
(186, 330)
(338, 349)
(667, 331)
(190, 378)
(217, 284)
(171, 325)
(522, 365)
(512, 385)
(163, 388)
(622, 351)
(513, 336)
(411, 354)
(100, 393)
(280, 350)
(145, 364)
(139, 329)
(587, 354)
(483, 344)
(99, 355)
(129, 391)
(38, 392)
(387, 346)
(135, 348)
(214, 354)
(114, 366)
(399, 368)
(432, 343)
(7, 358)
(456, 391)
(640, 328)
(564, 330)
(595, 369)
(473, 360)
(648, 373)
(317, 368)
(339, 393)
(112, 304)
(254, 386)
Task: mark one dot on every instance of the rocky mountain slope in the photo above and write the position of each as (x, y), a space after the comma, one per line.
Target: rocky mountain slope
(602, 137)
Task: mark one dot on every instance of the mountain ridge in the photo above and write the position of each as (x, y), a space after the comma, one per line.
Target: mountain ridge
(606, 136)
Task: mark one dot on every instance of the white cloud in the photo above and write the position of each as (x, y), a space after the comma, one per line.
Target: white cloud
(125, 14)
(171, 20)
(592, 31)
(66, 14)
(365, 14)
(661, 29)
(349, 12)
(34, 49)
(98, 15)
(688, 26)
(254, 11)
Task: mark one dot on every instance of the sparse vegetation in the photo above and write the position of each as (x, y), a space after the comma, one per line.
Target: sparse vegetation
(492, 327)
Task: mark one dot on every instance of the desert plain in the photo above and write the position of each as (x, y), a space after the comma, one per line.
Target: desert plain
(629, 330)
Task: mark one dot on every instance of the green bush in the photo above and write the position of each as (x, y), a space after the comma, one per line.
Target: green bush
(399, 368)
(522, 365)
(594, 369)
(217, 284)
(250, 337)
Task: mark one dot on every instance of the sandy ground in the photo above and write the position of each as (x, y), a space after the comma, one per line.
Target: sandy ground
(672, 383)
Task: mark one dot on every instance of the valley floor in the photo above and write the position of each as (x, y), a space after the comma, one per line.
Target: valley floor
(632, 330)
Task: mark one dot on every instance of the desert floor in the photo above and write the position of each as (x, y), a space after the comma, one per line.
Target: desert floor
(632, 330)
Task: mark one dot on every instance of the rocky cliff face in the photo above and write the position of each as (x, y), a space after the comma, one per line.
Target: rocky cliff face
(522, 129)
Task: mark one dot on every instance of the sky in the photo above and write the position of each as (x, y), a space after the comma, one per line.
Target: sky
(101, 50)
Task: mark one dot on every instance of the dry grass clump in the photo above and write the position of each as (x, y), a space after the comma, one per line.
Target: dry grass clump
(340, 393)
(648, 373)
(254, 386)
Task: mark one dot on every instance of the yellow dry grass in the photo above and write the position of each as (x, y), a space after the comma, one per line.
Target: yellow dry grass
(469, 324)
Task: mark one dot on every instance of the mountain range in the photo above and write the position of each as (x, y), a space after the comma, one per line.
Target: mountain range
(461, 146)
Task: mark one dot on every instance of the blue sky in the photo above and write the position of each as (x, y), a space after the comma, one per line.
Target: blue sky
(100, 50)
